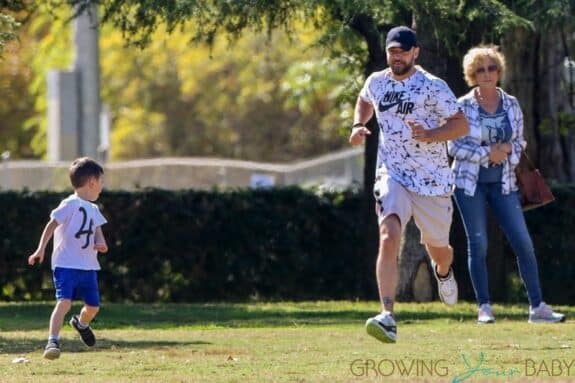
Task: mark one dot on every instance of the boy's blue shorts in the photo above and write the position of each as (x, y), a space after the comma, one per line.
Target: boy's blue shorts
(77, 284)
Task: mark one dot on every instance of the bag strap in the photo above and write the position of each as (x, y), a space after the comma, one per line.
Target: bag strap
(529, 162)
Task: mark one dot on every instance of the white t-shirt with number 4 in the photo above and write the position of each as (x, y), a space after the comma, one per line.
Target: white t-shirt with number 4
(74, 237)
(421, 167)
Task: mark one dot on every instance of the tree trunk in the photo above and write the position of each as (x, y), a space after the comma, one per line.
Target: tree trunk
(552, 57)
(534, 76)
(87, 65)
(415, 279)
(367, 288)
(520, 48)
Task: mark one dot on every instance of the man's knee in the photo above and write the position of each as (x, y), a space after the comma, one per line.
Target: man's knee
(390, 230)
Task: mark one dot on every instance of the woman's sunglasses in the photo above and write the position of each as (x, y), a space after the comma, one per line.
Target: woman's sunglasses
(490, 68)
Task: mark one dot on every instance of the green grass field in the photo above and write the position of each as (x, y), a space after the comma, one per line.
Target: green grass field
(288, 342)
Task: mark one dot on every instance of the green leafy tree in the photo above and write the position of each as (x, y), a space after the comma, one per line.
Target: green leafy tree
(16, 107)
(204, 101)
(48, 37)
(16, 52)
(10, 10)
(173, 99)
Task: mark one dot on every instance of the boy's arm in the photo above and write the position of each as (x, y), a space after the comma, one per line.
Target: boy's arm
(38, 255)
(100, 242)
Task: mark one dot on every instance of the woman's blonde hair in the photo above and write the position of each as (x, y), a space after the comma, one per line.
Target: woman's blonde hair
(476, 56)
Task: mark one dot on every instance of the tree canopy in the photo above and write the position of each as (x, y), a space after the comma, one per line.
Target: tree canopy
(10, 11)
(449, 20)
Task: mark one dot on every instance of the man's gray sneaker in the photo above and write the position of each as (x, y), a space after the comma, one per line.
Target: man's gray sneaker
(382, 327)
(446, 286)
(544, 314)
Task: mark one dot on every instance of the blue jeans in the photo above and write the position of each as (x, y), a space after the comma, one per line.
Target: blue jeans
(507, 211)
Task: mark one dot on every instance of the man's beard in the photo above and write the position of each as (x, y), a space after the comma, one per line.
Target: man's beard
(400, 71)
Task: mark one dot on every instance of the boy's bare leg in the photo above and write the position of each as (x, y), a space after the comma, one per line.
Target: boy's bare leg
(87, 314)
(52, 350)
(82, 324)
(57, 318)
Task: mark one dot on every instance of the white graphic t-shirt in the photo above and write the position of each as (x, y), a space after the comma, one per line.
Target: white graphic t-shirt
(421, 167)
(74, 236)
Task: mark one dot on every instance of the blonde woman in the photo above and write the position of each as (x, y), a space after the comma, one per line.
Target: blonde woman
(484, 163)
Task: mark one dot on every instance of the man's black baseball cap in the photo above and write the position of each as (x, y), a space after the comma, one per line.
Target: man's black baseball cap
(401, 37)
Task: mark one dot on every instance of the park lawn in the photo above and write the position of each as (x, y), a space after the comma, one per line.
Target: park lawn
(288, 342)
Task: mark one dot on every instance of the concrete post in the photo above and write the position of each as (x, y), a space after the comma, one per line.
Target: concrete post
(63, 117)
(87, 66)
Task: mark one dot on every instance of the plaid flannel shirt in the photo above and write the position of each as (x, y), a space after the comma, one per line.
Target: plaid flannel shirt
(469, 154)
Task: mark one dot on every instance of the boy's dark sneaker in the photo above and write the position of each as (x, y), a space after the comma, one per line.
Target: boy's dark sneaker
(52, 350)
(85, 333)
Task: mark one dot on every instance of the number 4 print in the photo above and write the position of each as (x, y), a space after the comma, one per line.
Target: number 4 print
(83, 230)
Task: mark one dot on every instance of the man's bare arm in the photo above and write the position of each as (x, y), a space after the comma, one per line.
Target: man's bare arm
(455, 127)
(362, 114)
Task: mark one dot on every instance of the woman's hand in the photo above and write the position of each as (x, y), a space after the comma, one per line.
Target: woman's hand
(498, 154)
(504, 146)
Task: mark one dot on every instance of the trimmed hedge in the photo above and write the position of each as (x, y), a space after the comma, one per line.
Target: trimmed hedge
(287, 243)
(196, 245)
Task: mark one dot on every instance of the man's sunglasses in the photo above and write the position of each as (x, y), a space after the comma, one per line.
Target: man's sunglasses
(490, 68)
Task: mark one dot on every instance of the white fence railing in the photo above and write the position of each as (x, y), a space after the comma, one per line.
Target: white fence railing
(340, 169)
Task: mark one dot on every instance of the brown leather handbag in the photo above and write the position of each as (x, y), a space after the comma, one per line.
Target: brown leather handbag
(533, 189)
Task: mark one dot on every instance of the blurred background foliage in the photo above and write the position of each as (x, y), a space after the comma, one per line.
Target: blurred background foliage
(176, 98)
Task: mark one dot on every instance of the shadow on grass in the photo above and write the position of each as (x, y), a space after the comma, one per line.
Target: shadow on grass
(410, 316)
(26, 345)
(34, 316)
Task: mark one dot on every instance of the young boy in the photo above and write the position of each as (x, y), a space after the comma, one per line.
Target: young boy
(76, 226)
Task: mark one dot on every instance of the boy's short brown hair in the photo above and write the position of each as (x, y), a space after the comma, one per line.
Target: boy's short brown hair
(82, 169)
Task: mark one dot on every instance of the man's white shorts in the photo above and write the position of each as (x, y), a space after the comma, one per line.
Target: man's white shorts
(432, 214)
